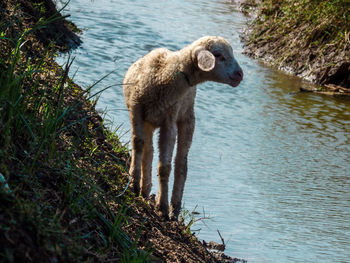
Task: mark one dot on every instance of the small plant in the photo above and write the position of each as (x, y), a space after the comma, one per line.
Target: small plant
(189, 218)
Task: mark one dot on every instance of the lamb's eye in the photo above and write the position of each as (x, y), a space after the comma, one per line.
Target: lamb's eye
(219, 56)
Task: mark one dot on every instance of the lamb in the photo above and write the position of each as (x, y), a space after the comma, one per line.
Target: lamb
(159, 91)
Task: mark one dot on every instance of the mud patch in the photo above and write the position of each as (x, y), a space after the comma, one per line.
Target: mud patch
(169, 239)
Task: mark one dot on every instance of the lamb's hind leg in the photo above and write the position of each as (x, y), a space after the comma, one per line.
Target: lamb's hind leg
(137, 143)
(167, 137)
(147, 157)
(184, 139)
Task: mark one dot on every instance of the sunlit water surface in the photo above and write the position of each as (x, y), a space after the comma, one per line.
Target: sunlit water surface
(269, 165)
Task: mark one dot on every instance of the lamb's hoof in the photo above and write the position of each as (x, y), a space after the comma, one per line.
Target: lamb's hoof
(163, 212)
(145, 195)
(173, 217)
(136, 189)
(151, 199)
(174, 212)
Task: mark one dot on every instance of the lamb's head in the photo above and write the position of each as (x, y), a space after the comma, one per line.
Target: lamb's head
(214, 58)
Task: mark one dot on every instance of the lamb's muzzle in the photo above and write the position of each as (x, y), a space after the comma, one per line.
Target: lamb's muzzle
(159, 91)
(236, 77)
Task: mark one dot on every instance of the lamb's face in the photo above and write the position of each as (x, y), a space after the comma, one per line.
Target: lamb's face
(215, 58)
(226, 69)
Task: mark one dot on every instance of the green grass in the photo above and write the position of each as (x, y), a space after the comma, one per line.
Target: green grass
(316, 25)
(327, 21)
(190, 218)
(309, 37)
(63, 174)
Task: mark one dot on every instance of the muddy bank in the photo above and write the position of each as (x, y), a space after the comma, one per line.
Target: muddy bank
(303, 38)
(64, 193)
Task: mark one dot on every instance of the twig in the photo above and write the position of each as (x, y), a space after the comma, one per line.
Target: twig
(222, 239)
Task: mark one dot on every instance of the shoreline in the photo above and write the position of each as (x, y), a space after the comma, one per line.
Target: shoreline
(321, 60)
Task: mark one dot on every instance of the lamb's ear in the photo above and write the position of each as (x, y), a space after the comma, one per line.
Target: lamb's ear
(205, 59)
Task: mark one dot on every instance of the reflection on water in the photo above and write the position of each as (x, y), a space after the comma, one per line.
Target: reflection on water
(268, 164)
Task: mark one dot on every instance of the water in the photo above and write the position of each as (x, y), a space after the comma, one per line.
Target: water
(269, 165)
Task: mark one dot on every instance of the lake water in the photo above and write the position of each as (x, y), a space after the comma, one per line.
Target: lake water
(269, 165)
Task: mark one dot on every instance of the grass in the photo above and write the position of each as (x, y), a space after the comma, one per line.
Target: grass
(190, 218)
(304, 35)
(327, 21)
(323, 22)
(62, 174)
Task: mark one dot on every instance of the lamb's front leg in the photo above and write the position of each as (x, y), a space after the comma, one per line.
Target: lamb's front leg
(167, 137)
(184, 140)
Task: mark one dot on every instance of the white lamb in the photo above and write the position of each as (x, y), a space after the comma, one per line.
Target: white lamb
(159, 91)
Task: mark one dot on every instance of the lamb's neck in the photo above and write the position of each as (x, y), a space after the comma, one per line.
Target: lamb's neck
(190, 71)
